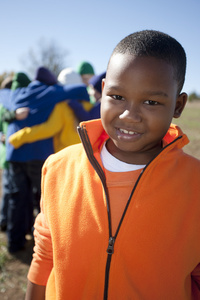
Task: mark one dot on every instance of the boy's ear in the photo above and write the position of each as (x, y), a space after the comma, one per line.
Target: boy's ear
(180, 104)
(103, 84)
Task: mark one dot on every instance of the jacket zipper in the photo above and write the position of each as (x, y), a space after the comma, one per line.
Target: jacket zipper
(110, 250)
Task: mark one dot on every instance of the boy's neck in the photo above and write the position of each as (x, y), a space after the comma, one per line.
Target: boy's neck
(137, 158)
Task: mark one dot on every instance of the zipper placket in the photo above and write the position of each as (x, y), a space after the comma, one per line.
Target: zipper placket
(110, 250)
(112, 239)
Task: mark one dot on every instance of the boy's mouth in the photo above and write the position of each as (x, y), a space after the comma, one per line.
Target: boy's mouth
(127, 131)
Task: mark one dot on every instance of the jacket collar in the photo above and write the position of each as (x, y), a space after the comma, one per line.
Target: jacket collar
(174, 132)
(98, 136)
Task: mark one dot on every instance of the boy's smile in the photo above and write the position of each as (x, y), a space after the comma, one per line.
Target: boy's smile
(139, 101)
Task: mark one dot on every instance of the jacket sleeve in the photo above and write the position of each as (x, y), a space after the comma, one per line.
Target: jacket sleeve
(83, 112)
(42, 131)
(5, 116)
(42, 262)
(8, 116)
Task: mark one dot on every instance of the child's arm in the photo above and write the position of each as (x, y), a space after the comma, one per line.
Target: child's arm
(42, 262)
(85, 111)
(35, 292)
(42, 131)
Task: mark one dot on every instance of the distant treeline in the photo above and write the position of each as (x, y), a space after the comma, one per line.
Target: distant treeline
(193, 96)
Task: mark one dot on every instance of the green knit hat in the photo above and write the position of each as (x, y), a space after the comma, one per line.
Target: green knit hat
(85, 68)
(20, 80)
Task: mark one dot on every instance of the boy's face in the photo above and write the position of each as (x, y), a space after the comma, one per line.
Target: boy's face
(139, 100)
(86, 78)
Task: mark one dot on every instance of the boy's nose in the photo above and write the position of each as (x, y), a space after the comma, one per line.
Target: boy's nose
(131, 114)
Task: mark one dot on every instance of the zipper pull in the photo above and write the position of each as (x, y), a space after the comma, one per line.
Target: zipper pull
(111, 242)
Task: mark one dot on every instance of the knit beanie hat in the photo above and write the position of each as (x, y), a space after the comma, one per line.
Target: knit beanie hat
(7, 83)
(20, 80)
(85, 68)
(45, 76)
(96, 81)
(68, 76)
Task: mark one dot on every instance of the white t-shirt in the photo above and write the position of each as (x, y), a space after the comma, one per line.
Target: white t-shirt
(113, 164)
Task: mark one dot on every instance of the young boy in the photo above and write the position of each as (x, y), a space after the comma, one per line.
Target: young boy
(120, 213)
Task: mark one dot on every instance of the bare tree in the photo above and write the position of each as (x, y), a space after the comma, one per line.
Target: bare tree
(4, 75)
(47, 54)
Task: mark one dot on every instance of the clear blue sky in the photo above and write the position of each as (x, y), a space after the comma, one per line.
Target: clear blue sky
(89, 30)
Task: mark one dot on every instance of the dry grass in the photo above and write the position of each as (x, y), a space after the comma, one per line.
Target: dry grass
(190, 124)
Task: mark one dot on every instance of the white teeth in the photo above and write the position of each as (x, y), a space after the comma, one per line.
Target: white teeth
(126, 131)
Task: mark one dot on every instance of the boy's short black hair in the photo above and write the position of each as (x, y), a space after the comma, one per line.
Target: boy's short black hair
(156, 44)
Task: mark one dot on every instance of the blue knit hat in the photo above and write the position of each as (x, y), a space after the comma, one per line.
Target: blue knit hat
(96, 81)
(45, 76)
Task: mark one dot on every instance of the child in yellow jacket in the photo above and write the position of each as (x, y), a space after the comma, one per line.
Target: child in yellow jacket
(61, 124)
(120, 212)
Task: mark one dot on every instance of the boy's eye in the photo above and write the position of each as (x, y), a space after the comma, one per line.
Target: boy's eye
(151, 102)
(117, 97)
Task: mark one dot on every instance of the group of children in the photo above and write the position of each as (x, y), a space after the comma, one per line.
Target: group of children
(48, 126)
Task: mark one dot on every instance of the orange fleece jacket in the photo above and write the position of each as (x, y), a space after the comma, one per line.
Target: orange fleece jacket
(157, 248)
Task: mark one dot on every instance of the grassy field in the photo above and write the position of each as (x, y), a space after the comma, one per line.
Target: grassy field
(190, 124)
(13, 269)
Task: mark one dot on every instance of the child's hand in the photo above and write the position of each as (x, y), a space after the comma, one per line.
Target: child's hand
(22, 113)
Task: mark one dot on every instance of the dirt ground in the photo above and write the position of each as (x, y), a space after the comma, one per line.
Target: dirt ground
(13, 273)
(14, 269)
